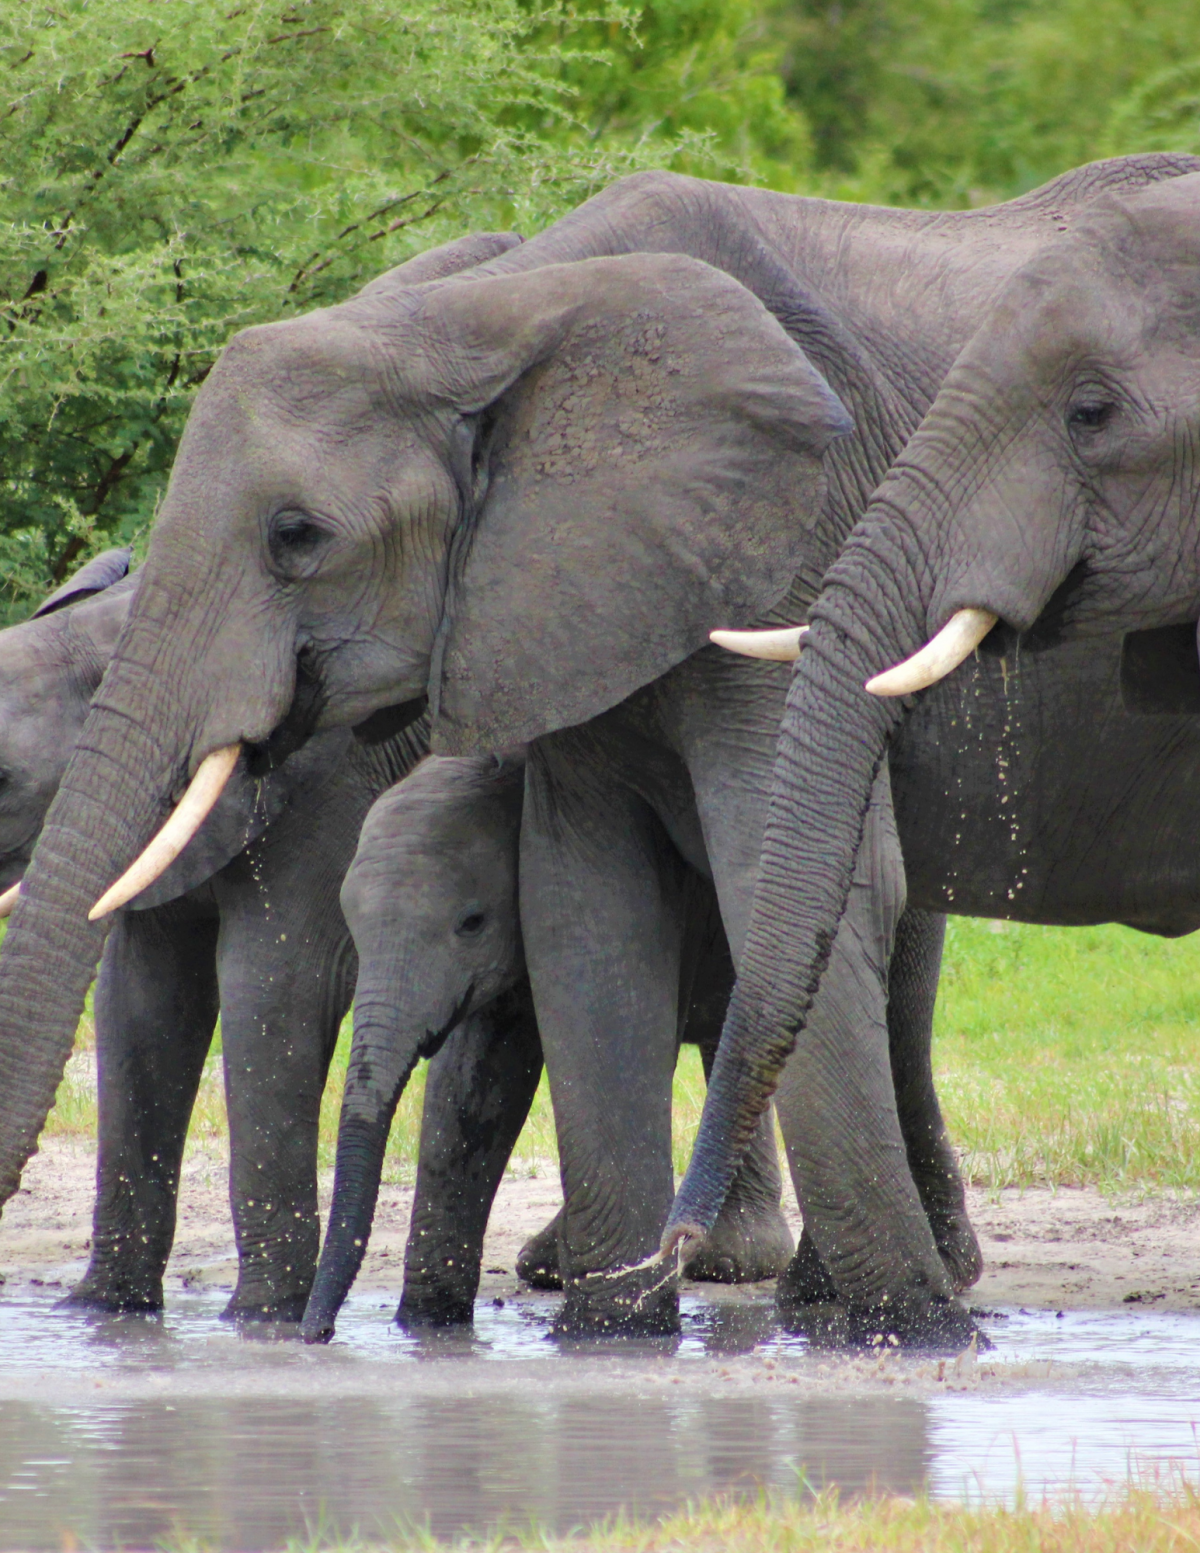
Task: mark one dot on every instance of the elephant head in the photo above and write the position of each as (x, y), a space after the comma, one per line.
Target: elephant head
(520, 494)
(1054, 486)
(431, 901)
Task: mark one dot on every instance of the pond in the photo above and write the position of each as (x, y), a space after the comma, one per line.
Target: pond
(133, 1431)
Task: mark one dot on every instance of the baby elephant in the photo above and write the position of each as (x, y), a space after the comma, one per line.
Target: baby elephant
(432, 902)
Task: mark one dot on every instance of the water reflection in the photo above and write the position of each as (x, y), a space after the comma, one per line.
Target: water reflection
(248, 1474)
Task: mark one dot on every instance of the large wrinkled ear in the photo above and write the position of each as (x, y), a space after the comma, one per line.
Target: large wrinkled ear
(99, 573)
(462, 254)
(653, 470)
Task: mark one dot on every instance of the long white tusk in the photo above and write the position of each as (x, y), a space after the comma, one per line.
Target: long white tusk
(781, 646)
(956, 641)
(9, 899)
(190, 813)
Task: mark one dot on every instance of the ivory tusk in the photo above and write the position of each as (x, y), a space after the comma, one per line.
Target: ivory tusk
(190, 813)
(9, 899)
(956, 641)
(781, 646)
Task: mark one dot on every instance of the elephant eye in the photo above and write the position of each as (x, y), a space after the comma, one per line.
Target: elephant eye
(1091, 415)
(470, 924)
(295, 537)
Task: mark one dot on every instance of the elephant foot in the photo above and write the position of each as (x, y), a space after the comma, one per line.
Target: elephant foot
(271, 1311)
(805, 1281)
(744, 1246)
(955, 1240)
(934, 1326)
(432, 1308)
(113, 1296)
(635, 1304)
(537, 1260)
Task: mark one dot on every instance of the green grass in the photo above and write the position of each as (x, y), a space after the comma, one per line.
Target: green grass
(1153, 1518)
(1069, 1055)
(1065, 1056)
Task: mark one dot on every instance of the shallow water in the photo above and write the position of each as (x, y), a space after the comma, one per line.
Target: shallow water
(131, 1431)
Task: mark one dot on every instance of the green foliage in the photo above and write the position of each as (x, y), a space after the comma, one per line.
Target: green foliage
(964, 102)
(699, 77)
(176, 169)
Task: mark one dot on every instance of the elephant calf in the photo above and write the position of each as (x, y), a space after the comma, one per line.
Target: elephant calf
(432, 903)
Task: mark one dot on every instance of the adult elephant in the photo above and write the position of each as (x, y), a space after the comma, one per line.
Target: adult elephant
(530, 493)
(1048, 512)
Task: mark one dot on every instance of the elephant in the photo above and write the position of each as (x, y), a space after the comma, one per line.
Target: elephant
(431, 900)
(527, 493)
(246, 919)
(1039, 535)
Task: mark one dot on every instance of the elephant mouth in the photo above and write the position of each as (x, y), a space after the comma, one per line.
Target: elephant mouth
(298, 723)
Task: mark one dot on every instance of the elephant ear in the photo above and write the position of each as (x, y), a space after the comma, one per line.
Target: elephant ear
(652, 440)
(99, 573)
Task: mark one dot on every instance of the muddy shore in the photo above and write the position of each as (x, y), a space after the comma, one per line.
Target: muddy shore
(1065, 1249)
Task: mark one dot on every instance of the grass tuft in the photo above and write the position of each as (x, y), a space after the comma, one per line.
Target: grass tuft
(1152, 1518)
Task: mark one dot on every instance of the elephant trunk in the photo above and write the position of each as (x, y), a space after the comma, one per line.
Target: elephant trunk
(381, 1062)
(114, 794)
(832, 741)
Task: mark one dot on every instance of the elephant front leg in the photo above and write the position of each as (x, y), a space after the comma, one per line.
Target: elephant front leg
(287, 977)
(477, 1095)
(155, 1009)
(602, 912)
(912, 991)
(868, 1242)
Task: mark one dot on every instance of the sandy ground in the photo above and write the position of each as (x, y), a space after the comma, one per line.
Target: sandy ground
(1065, 1249)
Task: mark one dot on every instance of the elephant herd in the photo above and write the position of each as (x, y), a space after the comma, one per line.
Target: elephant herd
(425, 621)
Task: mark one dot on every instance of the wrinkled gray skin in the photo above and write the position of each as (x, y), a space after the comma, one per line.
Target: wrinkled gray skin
(432, 902)
(1055, 483)
(247, 919)
(530, 492)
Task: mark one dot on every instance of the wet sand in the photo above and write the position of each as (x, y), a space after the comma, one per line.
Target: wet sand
(1068, 1249)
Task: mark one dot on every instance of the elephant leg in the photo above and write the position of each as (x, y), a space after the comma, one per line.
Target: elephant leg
(912, 990)
(287, 971)
(155, 1009)
(847, 1154)
(477, 1095)
(602, 916)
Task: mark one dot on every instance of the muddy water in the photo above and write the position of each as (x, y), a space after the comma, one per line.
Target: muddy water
(130, 1432)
